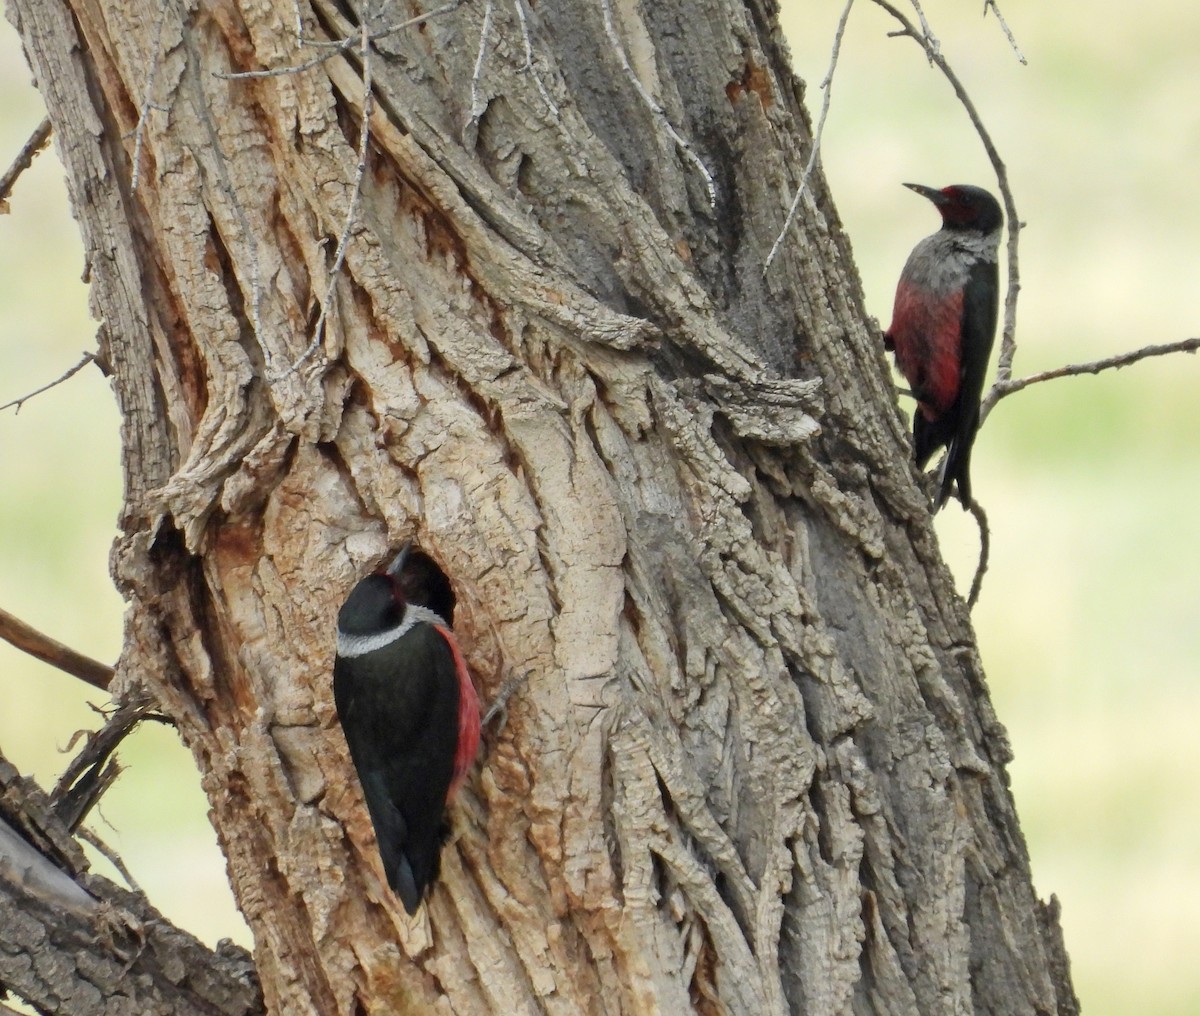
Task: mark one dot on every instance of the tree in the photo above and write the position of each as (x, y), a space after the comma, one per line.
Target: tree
(493, 278)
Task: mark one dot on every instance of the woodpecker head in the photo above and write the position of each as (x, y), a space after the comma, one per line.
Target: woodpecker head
(963, 206)
(378, 602)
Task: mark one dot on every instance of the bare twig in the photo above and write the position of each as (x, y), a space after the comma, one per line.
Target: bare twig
(88, 775)
(653, 105)
(363, 42)
(529, 65)
(113, 858)
(478, 103)
(278, 72)
(827, 88)
(931, 44)
(985, 546)
(1002, 388)
(333, 47)
(148, 104)
(83, 362)
(204, 110)
(339, 257)
(29, 151)
(299, 23)
(990, 5)
(400, 26)
(29, 640)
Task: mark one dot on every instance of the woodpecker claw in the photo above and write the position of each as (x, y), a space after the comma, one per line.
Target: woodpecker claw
(499, 706)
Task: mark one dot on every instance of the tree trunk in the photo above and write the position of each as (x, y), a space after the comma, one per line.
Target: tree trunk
(752, 766)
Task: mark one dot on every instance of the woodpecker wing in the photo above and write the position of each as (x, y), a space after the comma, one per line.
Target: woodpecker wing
(926, 335)
(980, 308)
(468, 715)
(399, 709)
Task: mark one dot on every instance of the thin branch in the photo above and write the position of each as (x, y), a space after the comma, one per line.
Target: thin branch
(334, 47)
(827, 88)
(339, 257)
(86, 777)
(29, 151)
(934, 46)
(478, 103)
(400, 26)
(29, 640)
(139, 132)
(18, 403)
(299, 23)
(364, 41)
(990, 5)
(529, 65)
(1002, 388)
(278, 72)
(108, 853)
(985, 547)
(655, 108)
(204, 110)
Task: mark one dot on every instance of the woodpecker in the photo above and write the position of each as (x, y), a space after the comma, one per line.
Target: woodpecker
(943, 326)
(409, 712)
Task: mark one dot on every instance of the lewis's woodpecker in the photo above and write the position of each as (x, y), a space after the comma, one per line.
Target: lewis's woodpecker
(409, 712)
(943, 325)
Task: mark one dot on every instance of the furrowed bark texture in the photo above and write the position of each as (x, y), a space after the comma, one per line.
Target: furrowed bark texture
(77, 944)
(752, 767)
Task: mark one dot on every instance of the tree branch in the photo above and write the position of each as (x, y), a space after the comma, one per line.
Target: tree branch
(87, 776)
(364, 146)
(1002, 388)
(84, 361)
(655, 107)
(334, 47)
(990, 5)
(529, 64)
(478, 103)
(29, 640)
(79, 943)
(148, 103)
(985, 546)
(827, 89)
(29, 151)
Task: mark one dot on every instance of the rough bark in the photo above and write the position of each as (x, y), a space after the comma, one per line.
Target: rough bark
(77, 944)
(753, 767)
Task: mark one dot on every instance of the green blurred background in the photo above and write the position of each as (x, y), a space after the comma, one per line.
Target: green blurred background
(1088, 619)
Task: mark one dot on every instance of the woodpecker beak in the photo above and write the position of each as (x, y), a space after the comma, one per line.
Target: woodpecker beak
(932, 193)
(397, 565)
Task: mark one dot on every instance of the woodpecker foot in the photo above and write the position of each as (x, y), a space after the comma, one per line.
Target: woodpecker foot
(499, 706)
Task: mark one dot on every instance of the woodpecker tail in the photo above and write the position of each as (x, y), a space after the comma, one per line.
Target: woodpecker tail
(404, 884)
(955, 473)
(955, 470)
(413, 867)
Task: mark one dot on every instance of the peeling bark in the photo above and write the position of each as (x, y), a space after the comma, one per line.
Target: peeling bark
(753, 767)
